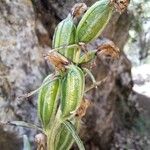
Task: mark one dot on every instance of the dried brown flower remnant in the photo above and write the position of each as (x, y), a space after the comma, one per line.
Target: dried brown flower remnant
(78, 9)
(40, 139)
(120, 5)
(81, 111)
(58, 60)
(108, 49)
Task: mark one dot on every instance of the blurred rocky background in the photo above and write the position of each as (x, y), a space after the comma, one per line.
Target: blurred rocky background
(118, 118)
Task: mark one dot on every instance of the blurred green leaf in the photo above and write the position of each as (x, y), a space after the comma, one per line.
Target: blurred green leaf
(72, 130)
(26, 143)
(24, 124)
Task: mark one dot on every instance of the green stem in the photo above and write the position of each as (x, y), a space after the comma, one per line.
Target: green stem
(91, 76)
(48, 140)
(98, 83)
(77, 56)
(52, 132)
(65, 46)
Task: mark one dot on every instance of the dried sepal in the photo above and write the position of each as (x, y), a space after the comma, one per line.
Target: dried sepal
(120, 5)
(81, 111)
(40, 140)
(58, 60)
(108, 49)
(78, 10)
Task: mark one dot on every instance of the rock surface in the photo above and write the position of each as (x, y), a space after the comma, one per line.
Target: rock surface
(21, 63)
(141, 78)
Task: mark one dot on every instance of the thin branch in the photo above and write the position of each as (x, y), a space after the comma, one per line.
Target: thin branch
(98, 83)
(65, 46)
(21, 124)
(27, 95)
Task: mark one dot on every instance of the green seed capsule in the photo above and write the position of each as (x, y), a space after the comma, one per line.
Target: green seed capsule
(72, 90)
(42, 93)
(48, 100)
(94, 21)
(65, 35)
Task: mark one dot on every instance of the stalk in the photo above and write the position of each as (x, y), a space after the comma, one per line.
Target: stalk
(77, 55)
(51, 134)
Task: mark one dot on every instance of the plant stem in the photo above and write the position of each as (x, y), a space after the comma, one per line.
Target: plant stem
(77, 55)
(52, 132)
(48, 140)
(98, 83)
(65, 46)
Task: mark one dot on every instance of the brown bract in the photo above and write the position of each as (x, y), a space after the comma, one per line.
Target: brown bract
(120, 5)
(81, 111)
(108, 49)
(78, 9)
(40, 139)
(57, 60)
